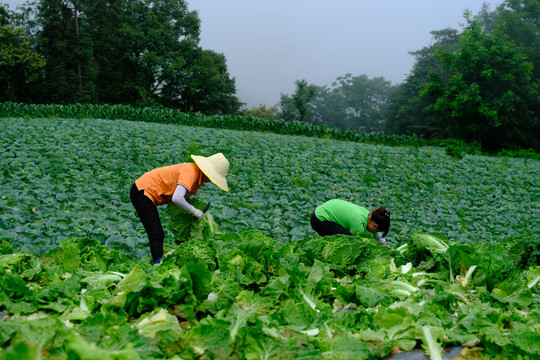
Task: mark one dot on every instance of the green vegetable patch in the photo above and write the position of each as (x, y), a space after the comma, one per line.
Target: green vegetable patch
(76, 282)
(247, 296)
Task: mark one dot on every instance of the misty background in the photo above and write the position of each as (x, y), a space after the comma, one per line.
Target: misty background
(270, 44)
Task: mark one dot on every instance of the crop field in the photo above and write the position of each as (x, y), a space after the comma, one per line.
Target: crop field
(75, 264)
(66, 178)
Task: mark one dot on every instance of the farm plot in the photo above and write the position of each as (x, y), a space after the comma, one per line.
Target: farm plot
(63, 178)
(76, 283)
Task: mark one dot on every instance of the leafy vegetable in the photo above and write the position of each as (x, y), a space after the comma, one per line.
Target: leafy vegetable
(533, 277)
(75, 281)
(197, 251)
(184, 225)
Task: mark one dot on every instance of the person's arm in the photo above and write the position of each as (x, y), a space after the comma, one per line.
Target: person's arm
(380, 239)
(179, 200)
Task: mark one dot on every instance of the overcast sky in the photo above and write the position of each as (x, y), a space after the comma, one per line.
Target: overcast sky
(269, 44)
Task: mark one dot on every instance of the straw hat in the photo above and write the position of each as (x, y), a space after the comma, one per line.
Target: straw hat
(215, 167)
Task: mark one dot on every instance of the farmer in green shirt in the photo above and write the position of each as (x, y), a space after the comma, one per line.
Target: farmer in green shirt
(343, 217)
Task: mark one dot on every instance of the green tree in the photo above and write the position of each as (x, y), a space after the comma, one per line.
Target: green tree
(116, 74)
(489, 93)
(147, 53)
(300, 106)
(158, 40)
(354, 102)
(350, 102)
(405, 110)
(68, 74)
(263, 112)
(205, 86)
(138, 52)
(520, 21)
(20, 65)
(4, 16)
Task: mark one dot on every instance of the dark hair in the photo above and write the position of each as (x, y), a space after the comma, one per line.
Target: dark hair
(381, 217)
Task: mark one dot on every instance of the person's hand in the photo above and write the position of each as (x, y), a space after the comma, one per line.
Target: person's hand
(198, 214)
(383, 243)
(169, 253)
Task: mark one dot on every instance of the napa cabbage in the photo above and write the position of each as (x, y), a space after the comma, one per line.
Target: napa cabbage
(427, 252)
(533, 277)
(250, 300)
(430, 242)
(430, 343)
(345, 254)
(402, 288)
(98, 280)
(158, 320)
(196, 251)
(241, 268)
(186, 227)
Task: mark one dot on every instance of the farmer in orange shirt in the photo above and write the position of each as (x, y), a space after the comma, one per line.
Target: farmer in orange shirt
(174, 183)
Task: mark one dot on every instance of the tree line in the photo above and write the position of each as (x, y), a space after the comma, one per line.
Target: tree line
(137, 52)
(480, 85)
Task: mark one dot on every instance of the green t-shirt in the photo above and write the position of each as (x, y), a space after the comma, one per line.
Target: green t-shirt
(351, 216)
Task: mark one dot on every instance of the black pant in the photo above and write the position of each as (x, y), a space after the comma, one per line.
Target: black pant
(148, 213)
(325, 228)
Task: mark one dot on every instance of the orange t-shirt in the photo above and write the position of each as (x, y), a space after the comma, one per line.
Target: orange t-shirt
(159, 184)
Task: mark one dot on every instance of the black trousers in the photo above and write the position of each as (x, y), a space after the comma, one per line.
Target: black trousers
(148, 213)
(325, 228)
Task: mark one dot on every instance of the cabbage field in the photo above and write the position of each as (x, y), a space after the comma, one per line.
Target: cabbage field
(461, 270)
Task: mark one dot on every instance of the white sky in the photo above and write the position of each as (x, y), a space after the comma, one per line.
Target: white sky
(269, 44)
